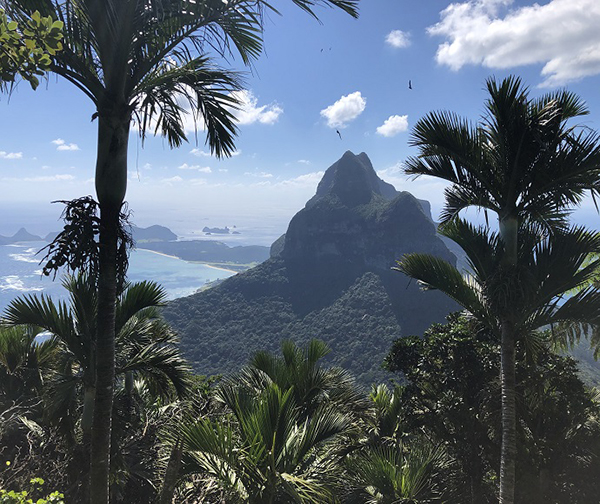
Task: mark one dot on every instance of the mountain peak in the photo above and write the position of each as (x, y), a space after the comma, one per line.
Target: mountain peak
(24, 235)
(354, 181)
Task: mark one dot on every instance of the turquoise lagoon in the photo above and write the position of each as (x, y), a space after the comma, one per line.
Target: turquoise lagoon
(20, 273)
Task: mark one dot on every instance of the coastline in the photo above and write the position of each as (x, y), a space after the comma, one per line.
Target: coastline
(198, 262)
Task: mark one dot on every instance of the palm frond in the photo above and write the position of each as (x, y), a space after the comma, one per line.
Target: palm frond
(205, 88)
(17, 345)
(138, 297)
(84, 303)
(398, 473)
(161, 367)
(210, 448)
(41, 311)
(348, 6)
(435, 273)
(482, 247)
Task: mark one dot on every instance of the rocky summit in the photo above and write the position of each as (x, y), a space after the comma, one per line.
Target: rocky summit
(329, 277)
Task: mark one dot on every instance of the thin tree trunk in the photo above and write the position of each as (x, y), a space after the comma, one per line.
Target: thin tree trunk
(171, 475)
(111, 184)
(476, 477)
(508, 452)
(105, 359)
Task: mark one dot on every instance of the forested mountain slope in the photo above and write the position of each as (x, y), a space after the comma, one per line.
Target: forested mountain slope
(329, 277)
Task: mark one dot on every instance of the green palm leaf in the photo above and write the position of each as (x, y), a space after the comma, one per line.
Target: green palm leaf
(436, 273)
(138, 297)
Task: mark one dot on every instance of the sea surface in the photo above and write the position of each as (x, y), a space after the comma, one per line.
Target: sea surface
(21, 273)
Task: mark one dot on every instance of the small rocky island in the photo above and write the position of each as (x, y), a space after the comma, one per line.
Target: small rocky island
(216, 230)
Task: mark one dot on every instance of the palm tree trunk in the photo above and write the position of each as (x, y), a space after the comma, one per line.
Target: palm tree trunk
(111, 184)
(508, 452)
(509, 228)
(87, 415)
(105, 359)
(88, 411)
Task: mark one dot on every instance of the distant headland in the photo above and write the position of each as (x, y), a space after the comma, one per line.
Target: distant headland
(162, 239)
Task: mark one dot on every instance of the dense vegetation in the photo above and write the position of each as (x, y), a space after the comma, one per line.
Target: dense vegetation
(289, 428)
(453, 393)
(223, 326)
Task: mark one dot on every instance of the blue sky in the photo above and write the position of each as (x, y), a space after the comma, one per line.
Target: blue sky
(314, 78)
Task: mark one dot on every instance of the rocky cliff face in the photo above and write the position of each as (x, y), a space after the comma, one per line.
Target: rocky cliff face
(329, 277)
(356, 223)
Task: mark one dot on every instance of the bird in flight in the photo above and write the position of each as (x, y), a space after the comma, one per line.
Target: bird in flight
(338, 132)
(409, 84)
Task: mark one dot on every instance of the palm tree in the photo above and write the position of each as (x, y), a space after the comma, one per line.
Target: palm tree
(406, 472)
(266, 453)
(304, 395)
(22, 360)
(140, 59)
(549, 265)
(145, 346)
(523, 162)
(301, 370)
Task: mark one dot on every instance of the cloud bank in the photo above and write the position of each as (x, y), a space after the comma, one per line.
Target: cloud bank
(562, 35)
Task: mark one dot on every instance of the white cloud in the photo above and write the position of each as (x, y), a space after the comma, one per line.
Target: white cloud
(61, 145)
(203, 169)
(304, 161)
(346, 109)
(393, 125)
(562, 35)
(398, 39)
(250, 112)
(11, 155)
(307, 181)
(259, 174)
(51, 178)
(200, 153)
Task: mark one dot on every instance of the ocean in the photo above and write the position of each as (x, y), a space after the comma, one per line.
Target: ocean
(21, 273)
